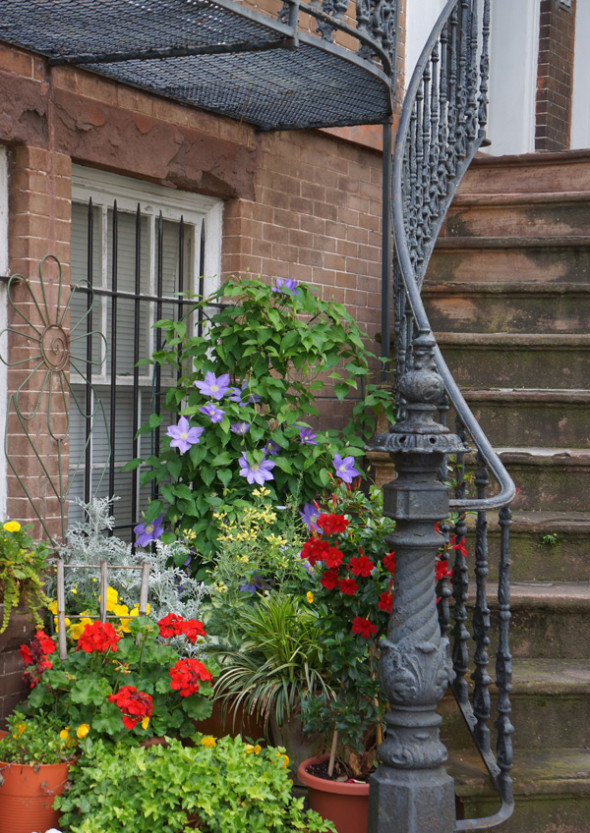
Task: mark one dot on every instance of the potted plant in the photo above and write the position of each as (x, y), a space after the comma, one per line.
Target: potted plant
(214, 786)
(23, 566)
(35, 756)
(352, 586)
(127, 683)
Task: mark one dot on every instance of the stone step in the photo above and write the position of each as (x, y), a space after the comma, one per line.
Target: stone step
(511, 260)
(550, 706)
(551, 790)
(549, 479)
(544, 546)
(539, 417)
(484, 360)
(508, 307)
(528, 173)
(518, 215)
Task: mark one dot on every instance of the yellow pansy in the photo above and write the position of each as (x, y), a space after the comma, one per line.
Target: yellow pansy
(11, 526)
(309, 596)
(77, 630)
(65, 733)
(145, 722)
(82, 730)
(112, 598)
(208, 741)
(56, 623)
(52, 607)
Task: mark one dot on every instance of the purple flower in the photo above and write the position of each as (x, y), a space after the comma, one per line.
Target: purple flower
(271, 448)
(183, 436)
(309, 515)
(214, 386)
(257, 472)
(235, 395)
(345, 469)
(240, 427)
(306, 435)
(215, 414)
(285, 285)
(148, 532)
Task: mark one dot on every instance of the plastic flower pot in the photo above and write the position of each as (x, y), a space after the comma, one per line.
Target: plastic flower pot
(345, 804)
(27, 794)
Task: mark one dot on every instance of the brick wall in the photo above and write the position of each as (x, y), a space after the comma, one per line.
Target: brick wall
(555, 74)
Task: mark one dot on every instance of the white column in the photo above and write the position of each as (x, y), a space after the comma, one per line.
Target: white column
(580, 132)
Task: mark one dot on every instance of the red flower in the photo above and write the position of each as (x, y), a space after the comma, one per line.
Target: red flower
(36, 654)
(459, 546)
(98, 636)
(348, 586)
(46, 643)
(314, 550)
(170, 625)
(329, 580)
(135, 705)
(333, 558)
(362, 566)
(385, 602)
(26, 654)
(332, 524)
(389, 562)
(192, 629)
(186, 675)
(442, 570)
(363, 627)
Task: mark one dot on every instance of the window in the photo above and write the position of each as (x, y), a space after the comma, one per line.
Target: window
(134, 247)
(3, 316)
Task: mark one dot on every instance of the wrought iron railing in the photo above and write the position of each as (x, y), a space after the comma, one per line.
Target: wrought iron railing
(442, 127)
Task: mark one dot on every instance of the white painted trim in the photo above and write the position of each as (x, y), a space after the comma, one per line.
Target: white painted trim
(514, 50)
(421, 15)
(3, 321)
(580, 132)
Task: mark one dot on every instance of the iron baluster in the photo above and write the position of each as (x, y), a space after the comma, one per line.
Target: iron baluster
(426, 212)
(88, 392)
(433, 184)
(419, 196)
(472, 79)
(452, 113)
(462, 81)
(484, 70)
(504, 661)
(481, 619)
(136, 357)
(113, 381)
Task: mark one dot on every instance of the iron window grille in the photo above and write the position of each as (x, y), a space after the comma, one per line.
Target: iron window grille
(134, 251)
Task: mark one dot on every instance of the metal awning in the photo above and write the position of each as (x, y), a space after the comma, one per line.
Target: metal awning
(217, 55)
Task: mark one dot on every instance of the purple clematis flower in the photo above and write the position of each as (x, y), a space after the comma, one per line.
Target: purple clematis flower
(183, 436)
(240, 427)
(214, 386)
(309, 515)
(148, 532)
(236, 394)
(271, 448)
(306, 435)
(345, 469)
(257, 472)
(285, 285)
(215, 414)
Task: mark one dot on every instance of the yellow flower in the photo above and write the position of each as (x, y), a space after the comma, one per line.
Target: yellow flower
(77, 630)
(145, 722)
(19, 730)
(276, 540)
(56, 623)
(112, 598)
(309, 596)
(261, 492)
(208, 741)
(82, 730)
(52, 607)
(285, 761)
(220, 587)
(255, 749)
(74, 590)
(12, 526)
(65, 733)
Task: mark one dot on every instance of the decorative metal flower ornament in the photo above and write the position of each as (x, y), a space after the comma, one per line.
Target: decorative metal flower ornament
(44, 399)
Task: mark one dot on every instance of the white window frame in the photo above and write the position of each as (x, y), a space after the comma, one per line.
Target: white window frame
(4, 264)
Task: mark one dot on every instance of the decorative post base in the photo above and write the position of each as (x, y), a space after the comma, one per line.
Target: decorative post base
(410, 791)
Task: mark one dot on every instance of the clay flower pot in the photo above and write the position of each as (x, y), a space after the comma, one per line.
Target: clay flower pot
(345, 804)
(26, 796)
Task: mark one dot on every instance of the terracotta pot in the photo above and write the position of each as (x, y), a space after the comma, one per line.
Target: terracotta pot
(26, 796)
(231, 721)
(347, 805)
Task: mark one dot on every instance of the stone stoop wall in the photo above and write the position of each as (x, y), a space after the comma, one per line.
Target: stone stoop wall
(305, 205)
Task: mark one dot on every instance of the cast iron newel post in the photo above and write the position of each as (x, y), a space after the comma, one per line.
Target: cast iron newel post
(411, 791)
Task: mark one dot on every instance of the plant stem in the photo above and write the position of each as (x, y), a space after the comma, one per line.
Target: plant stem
(333, 748)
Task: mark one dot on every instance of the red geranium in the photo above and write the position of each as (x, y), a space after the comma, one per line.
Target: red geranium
(348, 586)
(135, 705)
(385, 602)
(36, 654)
(186, 676)
(362, 566)
(170, 625)
(192, 629)
(332, 524)
(363, 627)
(98, 636)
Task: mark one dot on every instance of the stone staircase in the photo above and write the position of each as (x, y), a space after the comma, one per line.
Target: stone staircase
(508, 295)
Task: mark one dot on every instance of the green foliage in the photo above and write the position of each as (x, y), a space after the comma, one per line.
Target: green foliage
(76, 689)
(229, 787)
(550, 539)
(38, 739)
(281, 350)
(23, 565)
